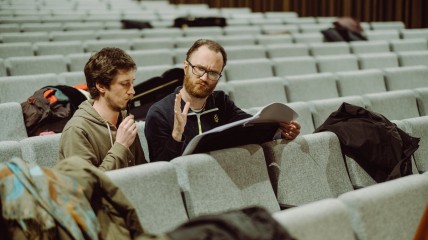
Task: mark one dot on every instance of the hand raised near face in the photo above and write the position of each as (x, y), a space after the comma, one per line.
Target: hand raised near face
(180, 118)
(127, 131)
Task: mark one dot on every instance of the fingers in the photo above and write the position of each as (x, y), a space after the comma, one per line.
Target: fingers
(290, 130)
(186, 108)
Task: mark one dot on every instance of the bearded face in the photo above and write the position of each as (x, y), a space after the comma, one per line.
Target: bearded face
(197, 87)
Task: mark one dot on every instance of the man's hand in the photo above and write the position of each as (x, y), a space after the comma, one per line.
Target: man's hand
(180, 118)
(289, 131)
(127, 131)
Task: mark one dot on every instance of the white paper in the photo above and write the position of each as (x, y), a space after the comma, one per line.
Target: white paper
(274, 112)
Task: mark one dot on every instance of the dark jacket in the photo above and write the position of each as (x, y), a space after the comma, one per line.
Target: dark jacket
(219, 110)
(381, 148)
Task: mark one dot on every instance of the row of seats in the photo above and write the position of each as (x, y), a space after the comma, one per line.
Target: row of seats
(97, 30)
(313, 110)
(260, 46)
(309, 172)
(290, 89)
(246, 62)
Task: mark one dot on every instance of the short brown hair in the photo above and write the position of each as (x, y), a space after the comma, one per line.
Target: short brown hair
(104, 65)
(212, 45)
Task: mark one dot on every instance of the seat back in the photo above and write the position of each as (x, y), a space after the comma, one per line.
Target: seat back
(36, 65)
(377, 60)
(409, 77)
(13, 126)
(307, 169)
(394, 105)
(324, 219)
(19, 49)
(311, 87)
(9, 149)
(337, 63)
(225, 179)
(292, 66)
(329, 48)
(44, 150)
(154, 191)
(257, 92)
(389, 210)
(374, 46)
(19, 88)
(418, 127)
(360, 82)
(248, 69)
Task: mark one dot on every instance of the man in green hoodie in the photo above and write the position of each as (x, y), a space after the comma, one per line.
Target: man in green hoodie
(100, 130)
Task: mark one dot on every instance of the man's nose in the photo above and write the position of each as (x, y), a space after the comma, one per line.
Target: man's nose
(131, 90)
(204, 76)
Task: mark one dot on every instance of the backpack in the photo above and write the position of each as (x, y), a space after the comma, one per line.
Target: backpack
(42, 114)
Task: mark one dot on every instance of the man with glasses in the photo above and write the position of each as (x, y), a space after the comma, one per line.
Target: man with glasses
(195, 108)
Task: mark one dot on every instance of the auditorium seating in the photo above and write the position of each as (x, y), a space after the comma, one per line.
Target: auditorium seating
(268, 53)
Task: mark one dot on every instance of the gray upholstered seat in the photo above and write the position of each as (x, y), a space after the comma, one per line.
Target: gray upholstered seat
(59, 47)
(248, 69)
(307, 169)
(19, 88)
(409, 77)
(412, 58)
(377, 60)
(257, 92)
(394, 105)
(18, 49)
(36, 65)
(374, 46)
(292, 66)
(13, 125)
(154, 191)
(225, 179)
(245, 52)
(329, 48)
(44, 150)
(360, 82)
(9, 149)
(323, 219)
(311, 87)
(389, 210)
(418, 127)
(337, 63)
(419, 44)
(153, 57)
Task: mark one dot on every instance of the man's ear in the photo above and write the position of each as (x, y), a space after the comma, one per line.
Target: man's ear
(100, 87)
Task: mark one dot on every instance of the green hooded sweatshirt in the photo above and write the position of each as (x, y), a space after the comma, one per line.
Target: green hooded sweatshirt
(92, 138)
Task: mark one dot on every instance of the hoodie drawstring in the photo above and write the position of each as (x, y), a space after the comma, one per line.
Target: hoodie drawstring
(109, 132)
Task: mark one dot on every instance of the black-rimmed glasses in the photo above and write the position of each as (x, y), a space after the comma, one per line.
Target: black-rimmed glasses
(200, 71)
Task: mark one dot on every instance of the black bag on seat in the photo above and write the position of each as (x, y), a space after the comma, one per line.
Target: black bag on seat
(153, 90)
(199, 22)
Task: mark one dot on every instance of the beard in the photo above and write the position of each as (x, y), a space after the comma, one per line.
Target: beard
(196, 90)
